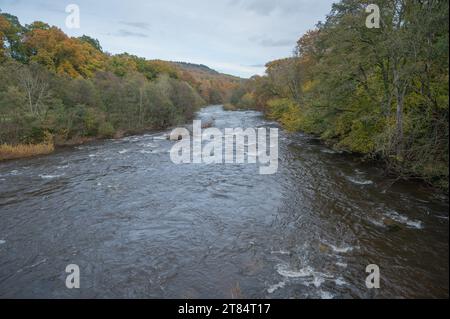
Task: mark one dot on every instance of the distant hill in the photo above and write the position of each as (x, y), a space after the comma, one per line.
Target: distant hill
(201, 68)
(214, 87)
(195, 67)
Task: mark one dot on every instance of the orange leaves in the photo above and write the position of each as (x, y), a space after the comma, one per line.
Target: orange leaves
(61, 54)
(4, 26)
(67, 68)
(4, 23)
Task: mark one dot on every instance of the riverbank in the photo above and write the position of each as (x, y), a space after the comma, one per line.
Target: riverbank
(10, 152)
(395, 169)
(18, 151)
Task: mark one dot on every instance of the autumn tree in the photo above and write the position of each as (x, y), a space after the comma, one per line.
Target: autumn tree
(61, 54)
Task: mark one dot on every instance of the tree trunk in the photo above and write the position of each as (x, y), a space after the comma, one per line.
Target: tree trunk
(399, 125)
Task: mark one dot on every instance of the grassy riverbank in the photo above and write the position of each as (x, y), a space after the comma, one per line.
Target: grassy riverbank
(17, 151)
(9, 152)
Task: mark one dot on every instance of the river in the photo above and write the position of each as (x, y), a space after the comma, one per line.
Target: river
(139, 226)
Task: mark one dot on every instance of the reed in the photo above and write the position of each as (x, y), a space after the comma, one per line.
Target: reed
(8, 152)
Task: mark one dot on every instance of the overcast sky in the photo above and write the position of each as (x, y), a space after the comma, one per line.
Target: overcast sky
(232, 36)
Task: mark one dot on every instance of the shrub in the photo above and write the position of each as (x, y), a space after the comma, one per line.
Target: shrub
(106, 130)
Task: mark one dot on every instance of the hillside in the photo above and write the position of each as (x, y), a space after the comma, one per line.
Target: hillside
(213, 87)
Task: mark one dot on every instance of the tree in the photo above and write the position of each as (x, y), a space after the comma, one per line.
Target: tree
(93, 42)
(61, 54)
(34, 81)
(380, 92)
(4, 26)
(11, 32)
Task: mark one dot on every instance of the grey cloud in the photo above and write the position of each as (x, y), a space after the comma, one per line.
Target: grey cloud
(46, 5)
(266, 7)
(269, 42)
(127, 33)
(257, 65)
(263, 7)
(276, 43)
(139, 25)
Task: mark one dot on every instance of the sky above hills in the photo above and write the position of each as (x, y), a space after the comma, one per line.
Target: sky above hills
(232, 36)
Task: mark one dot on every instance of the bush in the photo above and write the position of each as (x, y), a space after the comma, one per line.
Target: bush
(106, 130)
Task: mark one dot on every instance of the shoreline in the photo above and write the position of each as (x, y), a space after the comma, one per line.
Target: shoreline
(392, 174)
(377, 160)
(70, 144)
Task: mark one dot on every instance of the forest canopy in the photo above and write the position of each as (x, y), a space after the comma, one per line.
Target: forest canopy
(381, 92)
(68, 89)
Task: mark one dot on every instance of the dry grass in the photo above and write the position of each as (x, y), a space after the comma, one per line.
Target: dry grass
(8, 152)
(229, 107)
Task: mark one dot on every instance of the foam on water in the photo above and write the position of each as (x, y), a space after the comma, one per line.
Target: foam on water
(284, 271)
(359, 181)
(318, 281)
(308, 275)
(328, 151)
(342, 249)
(340, 281)
(280, 252)
(48, 176)
(326, 295)
(161, 137)
(151, 145)
(404, 220)
(376, 222)
(277, 286)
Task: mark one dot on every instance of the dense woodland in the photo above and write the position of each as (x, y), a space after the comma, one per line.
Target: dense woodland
(381, 92)
(64, 89)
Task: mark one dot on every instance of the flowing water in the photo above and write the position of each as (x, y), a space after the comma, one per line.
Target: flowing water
(140, 226)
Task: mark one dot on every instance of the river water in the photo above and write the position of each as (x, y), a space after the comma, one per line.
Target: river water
(139, 226)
